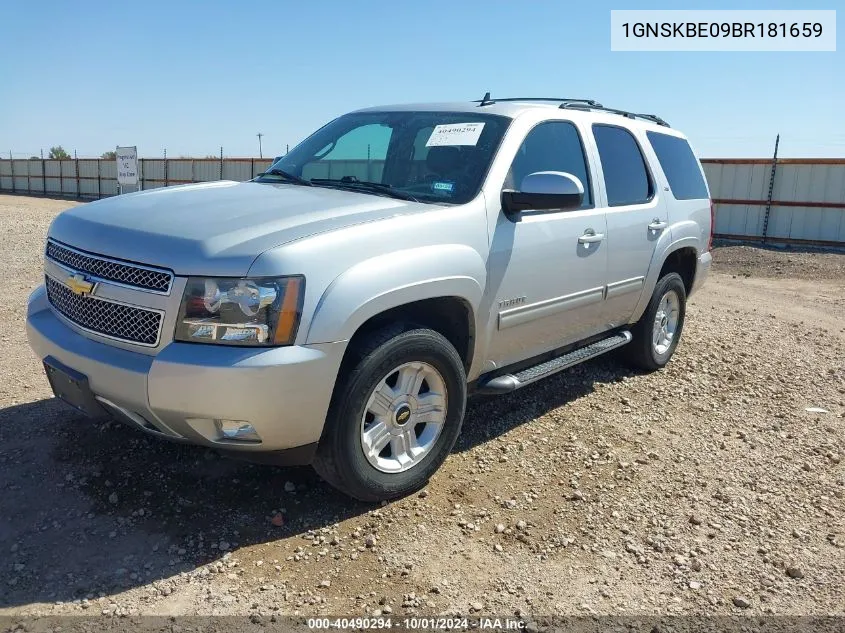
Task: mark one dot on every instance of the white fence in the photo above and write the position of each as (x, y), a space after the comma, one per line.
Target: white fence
(806, 206)
(96, 177)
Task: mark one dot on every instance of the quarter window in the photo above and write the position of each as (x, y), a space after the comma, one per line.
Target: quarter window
(551, 146)
(680, 166)
(626, 178)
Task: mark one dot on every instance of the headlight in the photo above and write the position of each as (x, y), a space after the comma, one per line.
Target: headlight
(226, 311)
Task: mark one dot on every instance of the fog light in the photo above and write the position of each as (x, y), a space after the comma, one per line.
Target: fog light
(237, 430)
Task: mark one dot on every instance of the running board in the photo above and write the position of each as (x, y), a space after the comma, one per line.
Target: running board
(511, 382)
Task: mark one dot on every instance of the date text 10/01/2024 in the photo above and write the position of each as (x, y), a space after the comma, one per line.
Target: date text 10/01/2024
(377, 623)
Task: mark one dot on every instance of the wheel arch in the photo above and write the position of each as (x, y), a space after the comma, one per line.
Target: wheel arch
(683, 261)
(438, 287)
(451, 316)
(680, 256)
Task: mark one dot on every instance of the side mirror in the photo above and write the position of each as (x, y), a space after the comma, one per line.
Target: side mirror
(543, 191)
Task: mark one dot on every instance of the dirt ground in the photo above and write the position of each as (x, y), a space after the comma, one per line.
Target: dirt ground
(705, 488)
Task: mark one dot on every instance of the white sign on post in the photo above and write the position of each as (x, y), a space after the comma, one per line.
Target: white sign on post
(127, 166)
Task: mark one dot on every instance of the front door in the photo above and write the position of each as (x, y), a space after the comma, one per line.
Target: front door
(547, 271)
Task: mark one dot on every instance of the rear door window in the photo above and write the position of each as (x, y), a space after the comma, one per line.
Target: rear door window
(626, 178)
(680, 166)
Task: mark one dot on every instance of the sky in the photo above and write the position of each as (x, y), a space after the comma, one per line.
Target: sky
(191, 76)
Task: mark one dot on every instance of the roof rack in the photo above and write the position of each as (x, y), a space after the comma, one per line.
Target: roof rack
(488, 101)
(577, 104)
(631, 115)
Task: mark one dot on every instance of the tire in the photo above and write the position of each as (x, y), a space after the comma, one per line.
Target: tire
(643, 352)
(409, 369)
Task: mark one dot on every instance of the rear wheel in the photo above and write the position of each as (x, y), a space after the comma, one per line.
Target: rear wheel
(657, 333)
(395, 415)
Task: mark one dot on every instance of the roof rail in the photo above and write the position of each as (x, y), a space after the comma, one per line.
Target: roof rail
(576, 104)
(488, 101)
(631, 115)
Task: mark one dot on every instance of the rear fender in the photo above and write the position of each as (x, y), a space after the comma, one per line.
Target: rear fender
(660, 256)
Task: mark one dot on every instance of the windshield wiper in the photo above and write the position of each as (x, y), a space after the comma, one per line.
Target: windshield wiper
(351, 182)
(286, 175)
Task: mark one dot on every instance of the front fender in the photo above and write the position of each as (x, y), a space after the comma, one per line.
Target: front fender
(394, 279)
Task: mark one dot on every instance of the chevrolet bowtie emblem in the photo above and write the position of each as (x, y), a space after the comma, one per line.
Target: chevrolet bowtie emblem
(79, 285)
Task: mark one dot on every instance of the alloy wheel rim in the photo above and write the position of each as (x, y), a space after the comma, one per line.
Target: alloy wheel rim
(666, 322)
(403, 418)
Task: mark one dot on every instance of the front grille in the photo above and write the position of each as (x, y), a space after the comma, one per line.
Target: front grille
(113, 270)
(119, 321)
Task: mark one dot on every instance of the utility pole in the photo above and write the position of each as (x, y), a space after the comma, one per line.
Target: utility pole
(260, 154)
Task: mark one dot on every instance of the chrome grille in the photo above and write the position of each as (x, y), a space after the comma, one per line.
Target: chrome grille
(125, 273)
(115, 320)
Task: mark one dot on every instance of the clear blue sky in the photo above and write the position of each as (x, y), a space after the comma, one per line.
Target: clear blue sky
(192, 76)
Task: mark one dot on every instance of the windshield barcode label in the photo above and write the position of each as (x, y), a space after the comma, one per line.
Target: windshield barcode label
(455, 134)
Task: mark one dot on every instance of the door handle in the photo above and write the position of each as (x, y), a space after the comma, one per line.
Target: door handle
(590, 237)
(657, 224)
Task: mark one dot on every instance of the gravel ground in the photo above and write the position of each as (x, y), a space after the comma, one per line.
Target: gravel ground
(703, 488)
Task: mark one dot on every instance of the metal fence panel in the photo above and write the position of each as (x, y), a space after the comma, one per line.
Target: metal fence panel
(261, 166)
(54, 184)
(780, 222)
(88, 187)
(237, 169)
(713, 176)
(180, 170)
(738, 219)
(206, 170)
(108, 169)
(89, 168)
(740, 190)
(834, 183)
(52, 167)
(109, 187)
(153, 170)
(833, 223)
(69, 177)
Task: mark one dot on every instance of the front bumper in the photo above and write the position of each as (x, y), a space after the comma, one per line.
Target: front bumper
(283, 392)
(702, 270)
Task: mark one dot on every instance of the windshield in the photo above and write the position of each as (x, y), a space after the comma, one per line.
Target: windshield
(439, 157)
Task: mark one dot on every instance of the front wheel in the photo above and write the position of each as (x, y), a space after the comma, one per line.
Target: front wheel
(657, 333)
(395, 415)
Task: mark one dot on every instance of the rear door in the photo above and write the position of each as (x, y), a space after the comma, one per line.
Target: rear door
(636, 217)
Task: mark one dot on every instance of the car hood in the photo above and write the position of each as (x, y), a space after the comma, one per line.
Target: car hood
(215, 228)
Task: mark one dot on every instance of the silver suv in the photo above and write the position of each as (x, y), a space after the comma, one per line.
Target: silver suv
(338, 309)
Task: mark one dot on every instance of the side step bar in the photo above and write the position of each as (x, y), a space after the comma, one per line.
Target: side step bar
(511, 382)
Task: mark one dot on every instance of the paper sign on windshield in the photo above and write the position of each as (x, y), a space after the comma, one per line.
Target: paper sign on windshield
(455, 134)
